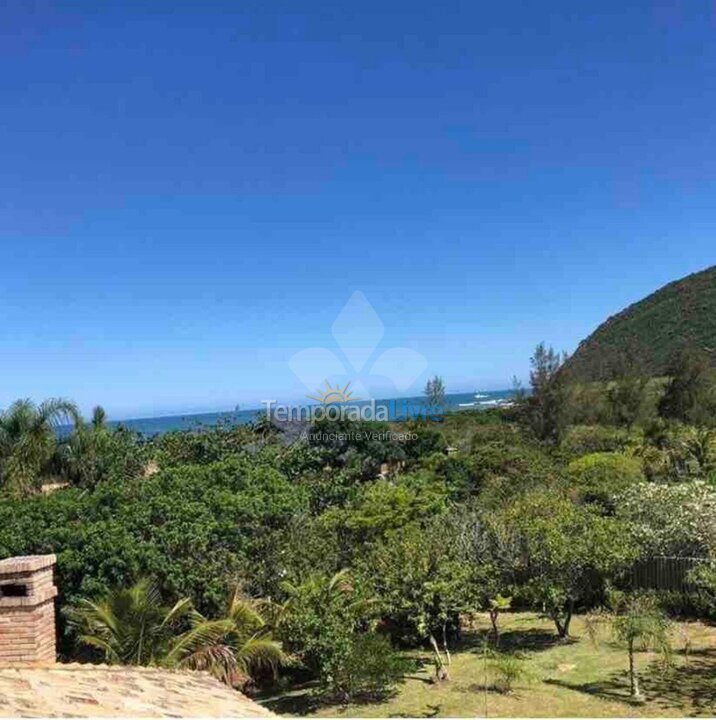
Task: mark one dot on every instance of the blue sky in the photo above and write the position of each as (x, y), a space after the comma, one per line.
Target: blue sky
(190, 192)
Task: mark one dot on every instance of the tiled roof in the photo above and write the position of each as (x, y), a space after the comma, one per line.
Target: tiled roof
(75, 690)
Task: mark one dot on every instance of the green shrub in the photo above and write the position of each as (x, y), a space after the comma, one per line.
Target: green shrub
(505, 471)
(583, 440)
(195, 528)
(457, 471)
(372, 668)
(423, 440)
(507, 669)
(598, 478)
(703, 578)
(485, 434)
(323, 625)
(201, 447)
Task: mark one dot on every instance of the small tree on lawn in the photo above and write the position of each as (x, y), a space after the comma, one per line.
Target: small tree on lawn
(325, 622)
(497, 605)
(566, 552)
(420, 580)
(637, 622)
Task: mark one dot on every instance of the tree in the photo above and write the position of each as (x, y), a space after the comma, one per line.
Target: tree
(384, 506)
(236, 647)
(421, 581)
(547, 405)
(358, 446)
(193, 528)
(129, 626)
(435, 392)
(566, 552)
(497, 605)
(329, 623)
(518, 391)
(627, 393)
(94, 453)
(99, 417)
(637, 622)
(264, 427)
(28, 440)
(689, 394)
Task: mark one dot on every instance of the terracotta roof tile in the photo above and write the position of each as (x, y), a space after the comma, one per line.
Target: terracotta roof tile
(76, 690)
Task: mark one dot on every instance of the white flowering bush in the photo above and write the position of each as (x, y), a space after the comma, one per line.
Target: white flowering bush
(677, 519)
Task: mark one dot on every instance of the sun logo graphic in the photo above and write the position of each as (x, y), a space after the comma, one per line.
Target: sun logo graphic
(357, 360)
(332, 395)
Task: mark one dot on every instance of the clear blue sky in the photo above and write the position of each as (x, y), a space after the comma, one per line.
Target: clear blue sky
(191, 191)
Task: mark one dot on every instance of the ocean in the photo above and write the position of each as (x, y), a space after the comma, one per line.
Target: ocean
(397, 409)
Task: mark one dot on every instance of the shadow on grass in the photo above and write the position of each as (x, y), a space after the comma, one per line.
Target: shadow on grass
(689, 688)
(430, 712)
(531, 640)
(301, 700)
(305, 700)
(481, 688)
(420, 678)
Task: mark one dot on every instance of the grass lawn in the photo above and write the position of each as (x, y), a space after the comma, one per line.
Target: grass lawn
(575, 678)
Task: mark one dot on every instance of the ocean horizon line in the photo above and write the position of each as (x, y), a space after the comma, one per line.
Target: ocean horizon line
(259, 407)
(153, 424)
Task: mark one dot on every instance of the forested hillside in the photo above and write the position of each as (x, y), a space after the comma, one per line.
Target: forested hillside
(678, 316)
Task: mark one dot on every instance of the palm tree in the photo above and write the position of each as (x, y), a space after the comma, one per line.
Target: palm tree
(336, 589)
(83, 457)
(131, 626)
(700, 445)
(28, 440)
(235, 648)
(638, 623)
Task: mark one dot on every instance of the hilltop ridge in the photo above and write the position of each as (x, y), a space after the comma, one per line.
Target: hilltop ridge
(680, 315)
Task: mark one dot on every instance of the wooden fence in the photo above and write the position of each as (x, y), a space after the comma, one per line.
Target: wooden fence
(665, 573)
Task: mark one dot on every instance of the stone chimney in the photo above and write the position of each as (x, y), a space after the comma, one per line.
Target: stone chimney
(27, 610)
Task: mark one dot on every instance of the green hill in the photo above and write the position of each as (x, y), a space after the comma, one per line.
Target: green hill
(679, 315)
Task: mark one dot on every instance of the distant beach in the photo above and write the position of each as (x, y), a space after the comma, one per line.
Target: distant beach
(398, 409)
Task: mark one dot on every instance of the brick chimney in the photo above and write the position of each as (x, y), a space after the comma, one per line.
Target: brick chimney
(27, 610)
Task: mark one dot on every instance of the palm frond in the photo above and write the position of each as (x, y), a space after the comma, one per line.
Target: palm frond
(57, 411)
(260, 652)
(202, 635)
(219, 660)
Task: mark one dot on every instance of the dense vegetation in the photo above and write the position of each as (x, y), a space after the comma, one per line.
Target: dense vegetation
(337, 553)
(679, 316)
